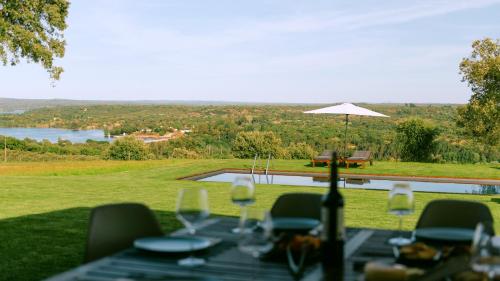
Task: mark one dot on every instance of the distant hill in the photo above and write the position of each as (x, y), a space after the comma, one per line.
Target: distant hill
(10, 105)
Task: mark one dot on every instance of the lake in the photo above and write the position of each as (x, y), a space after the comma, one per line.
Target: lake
(53, 134)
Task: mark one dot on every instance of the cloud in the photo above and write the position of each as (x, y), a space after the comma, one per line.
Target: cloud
(128, 34)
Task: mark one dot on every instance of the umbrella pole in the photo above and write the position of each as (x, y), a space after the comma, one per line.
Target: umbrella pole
(345, 135)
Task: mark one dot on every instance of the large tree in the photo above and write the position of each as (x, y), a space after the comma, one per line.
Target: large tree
(481, 70)
(33, 29)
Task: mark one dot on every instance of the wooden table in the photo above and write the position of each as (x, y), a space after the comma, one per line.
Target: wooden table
(224, 261)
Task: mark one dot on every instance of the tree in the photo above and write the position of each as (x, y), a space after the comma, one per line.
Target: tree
(481, 116)
(33, 29)
(416, 140)
(300, 150)
(248, 144)
(127, 148)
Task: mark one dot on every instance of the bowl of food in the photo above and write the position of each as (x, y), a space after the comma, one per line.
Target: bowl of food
(417, 254)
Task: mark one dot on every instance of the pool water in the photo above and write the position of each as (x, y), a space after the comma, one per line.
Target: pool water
(375, 184)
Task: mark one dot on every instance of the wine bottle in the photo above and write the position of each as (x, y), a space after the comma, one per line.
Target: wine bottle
(333, 234)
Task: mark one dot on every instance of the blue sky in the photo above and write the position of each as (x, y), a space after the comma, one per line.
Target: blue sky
(263, 51)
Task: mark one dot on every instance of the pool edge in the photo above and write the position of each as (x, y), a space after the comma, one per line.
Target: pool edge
(436, 179)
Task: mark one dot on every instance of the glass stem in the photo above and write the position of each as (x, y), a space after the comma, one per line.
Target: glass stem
(400, 226)
(192, 231)
(256, 268)
(239, 228)
(491, 275)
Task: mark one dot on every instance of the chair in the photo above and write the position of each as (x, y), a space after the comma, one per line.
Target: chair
(456, 213)
(324, 157)
(360, 157)
(303, 205)
(114, 227)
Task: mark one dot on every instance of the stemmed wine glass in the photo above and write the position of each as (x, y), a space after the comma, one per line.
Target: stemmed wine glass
(192, 209)
(401, 203)
(242, 194)
(256, 229)
(483, 253)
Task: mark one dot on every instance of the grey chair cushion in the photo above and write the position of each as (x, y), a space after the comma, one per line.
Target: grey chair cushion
(456, 213)
(114, 227)
(360, 155)
(323, 158)
(305, 205)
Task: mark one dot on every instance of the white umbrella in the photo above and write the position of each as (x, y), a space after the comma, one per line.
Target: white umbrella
(347, 109)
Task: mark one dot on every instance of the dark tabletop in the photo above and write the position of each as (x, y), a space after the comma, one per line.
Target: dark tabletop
(225, 262)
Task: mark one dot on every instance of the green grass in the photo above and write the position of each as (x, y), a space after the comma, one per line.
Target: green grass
(45, 206)
(63, 168)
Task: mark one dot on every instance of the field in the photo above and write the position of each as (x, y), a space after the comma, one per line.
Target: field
(45, 206)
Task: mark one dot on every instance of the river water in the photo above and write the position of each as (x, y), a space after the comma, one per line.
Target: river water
(53, 134)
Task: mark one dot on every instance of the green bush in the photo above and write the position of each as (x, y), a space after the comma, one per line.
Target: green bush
(127, 148)
(184, 153)
(248, 144)
(301, 150)
(416, 140)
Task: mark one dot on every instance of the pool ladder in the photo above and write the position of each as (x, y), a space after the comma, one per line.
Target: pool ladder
(267, 164)
(266, 171)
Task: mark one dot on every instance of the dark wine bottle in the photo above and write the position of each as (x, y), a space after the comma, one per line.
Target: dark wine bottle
(333, 234)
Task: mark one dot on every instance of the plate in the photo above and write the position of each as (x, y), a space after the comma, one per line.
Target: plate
(170, 244)
(295, 224)
(445, 234)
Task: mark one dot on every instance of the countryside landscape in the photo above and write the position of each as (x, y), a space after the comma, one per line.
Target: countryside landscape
(50, 187)
(103, 104)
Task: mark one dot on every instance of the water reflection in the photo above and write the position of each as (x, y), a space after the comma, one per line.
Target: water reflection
(358, 183)
(54, 134)
(486, 189)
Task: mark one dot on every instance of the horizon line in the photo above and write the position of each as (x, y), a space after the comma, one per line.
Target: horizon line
(157, 101)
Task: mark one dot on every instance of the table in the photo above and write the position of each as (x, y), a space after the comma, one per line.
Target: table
(224, 261)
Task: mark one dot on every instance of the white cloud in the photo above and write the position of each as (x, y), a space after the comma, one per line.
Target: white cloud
(128, 34)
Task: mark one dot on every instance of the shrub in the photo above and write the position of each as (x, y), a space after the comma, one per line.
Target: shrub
(247, 144)
(416, 140)
(301, 150)
(127, 148)
(184, 153)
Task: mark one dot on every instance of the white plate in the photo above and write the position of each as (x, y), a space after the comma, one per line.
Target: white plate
(169, 244)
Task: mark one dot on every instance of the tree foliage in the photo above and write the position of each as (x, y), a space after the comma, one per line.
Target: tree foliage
(300, 150)
(481, 119)
(184, 153)
(127, 148)
(214, 129)
(248, 144)
(481, 116)
(416, 139)
(33, 29)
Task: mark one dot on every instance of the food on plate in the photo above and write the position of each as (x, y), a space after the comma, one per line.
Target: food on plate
(418, 251)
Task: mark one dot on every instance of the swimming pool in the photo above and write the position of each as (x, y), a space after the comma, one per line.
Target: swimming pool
(362, 182)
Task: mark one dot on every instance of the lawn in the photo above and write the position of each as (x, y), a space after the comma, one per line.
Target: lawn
(45, 206)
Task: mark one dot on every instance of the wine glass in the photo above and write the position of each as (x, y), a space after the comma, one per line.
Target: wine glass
(242, 194)
(192, 209)
(255, 232)
(401, 203)
(483, 253)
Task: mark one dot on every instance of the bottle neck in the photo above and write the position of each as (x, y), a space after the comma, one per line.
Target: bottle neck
(334, 175)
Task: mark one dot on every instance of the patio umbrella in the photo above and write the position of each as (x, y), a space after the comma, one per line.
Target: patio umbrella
(347, 109)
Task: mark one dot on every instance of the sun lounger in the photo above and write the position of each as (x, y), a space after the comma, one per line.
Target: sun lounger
(359, 157)
(324, 157)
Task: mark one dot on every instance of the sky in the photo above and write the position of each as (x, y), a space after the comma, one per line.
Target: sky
(263, 51)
